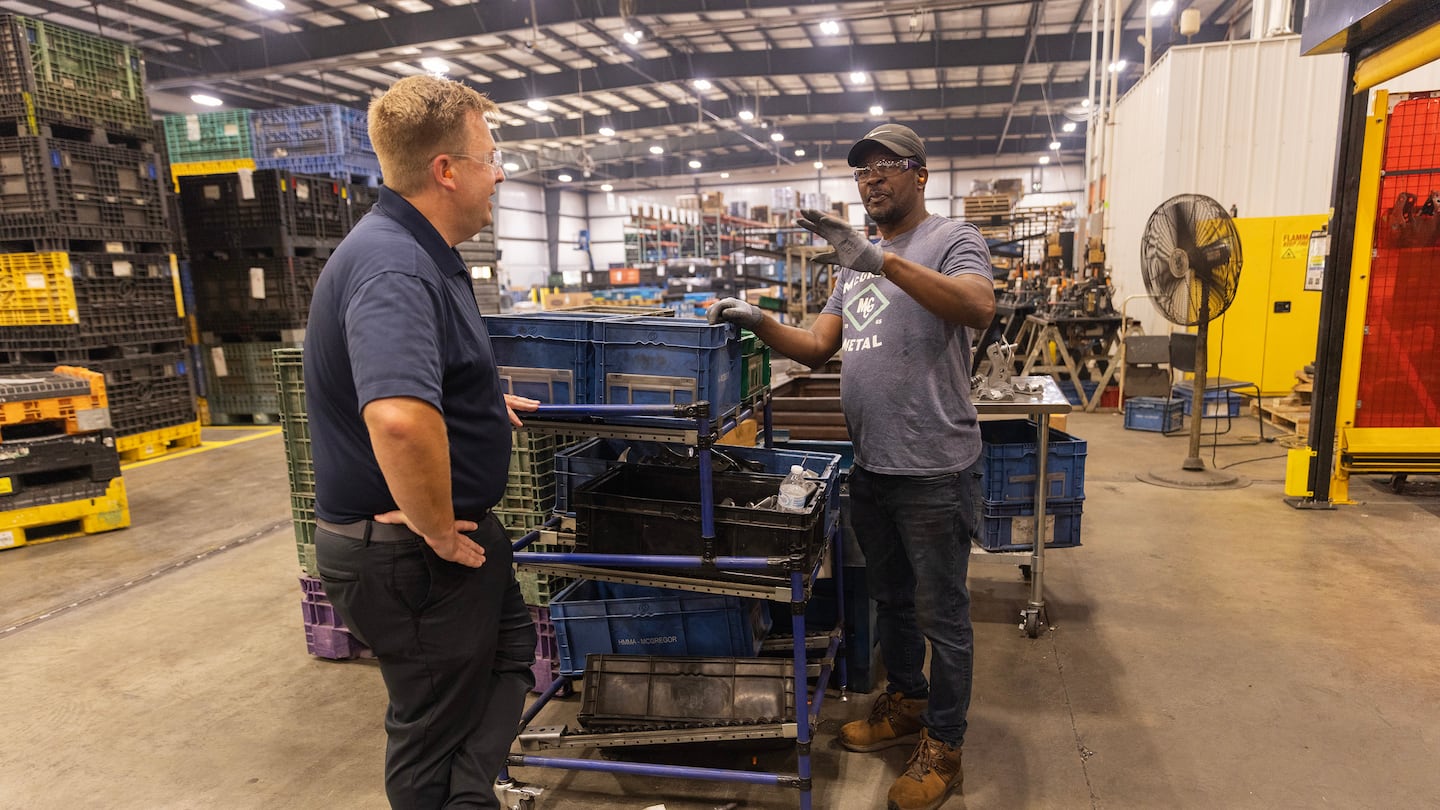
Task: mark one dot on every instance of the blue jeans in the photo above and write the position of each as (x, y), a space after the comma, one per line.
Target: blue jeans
(915, 532)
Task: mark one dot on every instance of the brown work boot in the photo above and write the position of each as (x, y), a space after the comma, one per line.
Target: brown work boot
(893, 720)
(931, 774)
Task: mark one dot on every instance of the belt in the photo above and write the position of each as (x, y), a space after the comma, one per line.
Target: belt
(379, 532)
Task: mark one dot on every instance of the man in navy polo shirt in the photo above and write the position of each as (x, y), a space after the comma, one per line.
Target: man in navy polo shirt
(411, 440)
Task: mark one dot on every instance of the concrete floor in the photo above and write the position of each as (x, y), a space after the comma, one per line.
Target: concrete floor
(1208, 650)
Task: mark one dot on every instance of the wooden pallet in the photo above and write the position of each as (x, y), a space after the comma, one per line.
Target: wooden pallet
(988, 205)
(1283, 413)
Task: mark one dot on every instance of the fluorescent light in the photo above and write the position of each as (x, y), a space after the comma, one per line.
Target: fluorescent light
(564, 178)
(511, 166)
(746, 115)
(799, 153)
(694, 164)
(1068, 126)
(537, 105)
(1054, 146)
(829, 28)
(724, 175)
(819, 164)
(657, 150)
(1044, 159)
(1158, 9)
(208, 101)
(268, 5)
(702, 84)
(606, 187)
(434, 65)
(608, 132)
(877, 110)
(777, 136)
(857, 77)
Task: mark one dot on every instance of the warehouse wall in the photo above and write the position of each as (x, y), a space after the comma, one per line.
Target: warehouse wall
(1249, 123)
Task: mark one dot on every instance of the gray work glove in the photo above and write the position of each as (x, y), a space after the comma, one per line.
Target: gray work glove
(851, 249)
(736, 311)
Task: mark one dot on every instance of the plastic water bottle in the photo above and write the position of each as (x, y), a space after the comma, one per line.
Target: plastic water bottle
(792, 491)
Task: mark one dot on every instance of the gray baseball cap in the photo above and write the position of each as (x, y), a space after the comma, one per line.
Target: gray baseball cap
(899, 139)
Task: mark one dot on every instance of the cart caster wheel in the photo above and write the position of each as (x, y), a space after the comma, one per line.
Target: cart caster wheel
(1032, 625)
(1025, 572)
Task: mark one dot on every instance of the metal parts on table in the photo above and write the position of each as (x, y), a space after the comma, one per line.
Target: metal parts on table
(997, 385)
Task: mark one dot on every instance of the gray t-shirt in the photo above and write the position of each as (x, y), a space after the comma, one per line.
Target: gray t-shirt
(905, 379)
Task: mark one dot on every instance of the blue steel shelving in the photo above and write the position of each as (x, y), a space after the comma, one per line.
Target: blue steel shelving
(691, 424)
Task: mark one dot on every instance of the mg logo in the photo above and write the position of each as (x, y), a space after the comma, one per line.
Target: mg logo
(864, 307)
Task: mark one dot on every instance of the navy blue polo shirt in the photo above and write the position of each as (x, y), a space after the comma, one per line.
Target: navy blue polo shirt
(393, 315)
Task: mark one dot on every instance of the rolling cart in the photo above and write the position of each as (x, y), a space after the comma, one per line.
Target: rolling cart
(705, 572)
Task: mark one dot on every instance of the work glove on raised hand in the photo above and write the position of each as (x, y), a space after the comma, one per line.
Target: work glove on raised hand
(851, 249)
(737, 312)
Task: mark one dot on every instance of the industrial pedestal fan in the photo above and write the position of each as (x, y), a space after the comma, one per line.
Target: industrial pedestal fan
(1190, 259)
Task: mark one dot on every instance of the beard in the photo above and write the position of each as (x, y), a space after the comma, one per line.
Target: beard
(883, 211)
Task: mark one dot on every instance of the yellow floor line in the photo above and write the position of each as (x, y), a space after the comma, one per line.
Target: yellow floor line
(204, 445)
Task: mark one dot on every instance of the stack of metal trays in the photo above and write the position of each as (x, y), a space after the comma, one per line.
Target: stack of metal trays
(638, 692)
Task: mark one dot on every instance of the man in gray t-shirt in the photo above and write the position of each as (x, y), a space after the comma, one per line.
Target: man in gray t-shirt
(903, 311)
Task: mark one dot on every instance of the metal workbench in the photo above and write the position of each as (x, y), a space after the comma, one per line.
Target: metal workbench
(1038, 407)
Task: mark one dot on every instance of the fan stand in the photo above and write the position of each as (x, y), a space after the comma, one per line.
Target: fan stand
(1193, 474)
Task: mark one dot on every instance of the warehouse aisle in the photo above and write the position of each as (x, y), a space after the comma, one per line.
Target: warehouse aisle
(1209, 650)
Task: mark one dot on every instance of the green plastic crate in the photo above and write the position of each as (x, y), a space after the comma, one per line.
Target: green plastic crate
(208, 136)
(52, 72)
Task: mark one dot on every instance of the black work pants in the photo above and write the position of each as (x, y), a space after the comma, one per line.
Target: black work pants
(455, 645)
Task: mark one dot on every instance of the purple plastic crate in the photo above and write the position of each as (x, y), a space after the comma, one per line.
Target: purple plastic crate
(547, 652)
(314, 589)
(333, 643)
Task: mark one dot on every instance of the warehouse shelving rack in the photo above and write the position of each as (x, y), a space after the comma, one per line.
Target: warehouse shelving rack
(691, 424)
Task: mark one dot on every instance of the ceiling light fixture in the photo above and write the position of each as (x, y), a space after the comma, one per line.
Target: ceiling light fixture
(1162, 7)
(208, 101)
(268, 5)
(829, 28)
(606, 187)
(1044, 159)
(537, 105)
(724, 175)
(511, 166)
(1085, 102)
(657, 150)
(799, 153)
(819, 164)
(608, 132)
(857, 77)
(877, 110)
(746, 115)
(633, 36)
(1117, 66)
(1054, 146)
(564, 178)
(1068, 126)
(702, 84)
(777, 136)
(439, 67)
(694, 164)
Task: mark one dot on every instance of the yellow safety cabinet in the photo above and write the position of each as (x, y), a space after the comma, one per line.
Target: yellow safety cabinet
(1269, 331)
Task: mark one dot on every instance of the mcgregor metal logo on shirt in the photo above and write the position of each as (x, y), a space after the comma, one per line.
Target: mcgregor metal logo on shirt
(865, 306)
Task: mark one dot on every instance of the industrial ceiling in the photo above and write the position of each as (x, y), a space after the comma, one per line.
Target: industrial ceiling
(592, 87)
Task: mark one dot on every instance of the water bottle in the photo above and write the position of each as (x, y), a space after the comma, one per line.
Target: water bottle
(792, 491)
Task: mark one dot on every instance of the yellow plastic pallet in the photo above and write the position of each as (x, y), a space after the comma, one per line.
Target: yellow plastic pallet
(140, 446)
(179, 170)
(57, 521)
(36, 290)
(81, 413)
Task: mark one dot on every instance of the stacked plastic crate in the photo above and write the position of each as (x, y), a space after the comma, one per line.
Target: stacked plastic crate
(1010, 456)
(528, 503)
(88, 253)
(258, 240)
(325, 634)
(59, 470)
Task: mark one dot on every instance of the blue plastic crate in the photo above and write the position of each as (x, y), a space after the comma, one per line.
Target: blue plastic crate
(609, 617)
(317, 130)
(1067, 387)
(1012, 527)
(354, 168)
(1155, 414)
(1218, 404)
(591, 458)
(652, 361)
(1010, 454)
(555, 348)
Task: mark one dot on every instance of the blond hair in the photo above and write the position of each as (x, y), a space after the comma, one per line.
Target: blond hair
(418, 118)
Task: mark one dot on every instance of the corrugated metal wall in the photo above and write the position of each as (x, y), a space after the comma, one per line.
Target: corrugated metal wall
(1249, 123)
